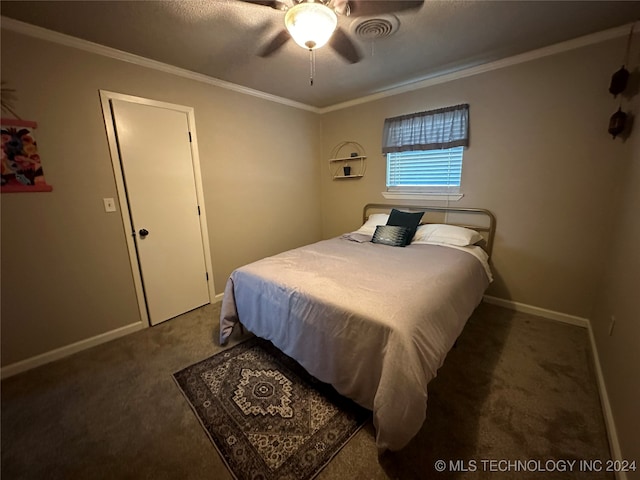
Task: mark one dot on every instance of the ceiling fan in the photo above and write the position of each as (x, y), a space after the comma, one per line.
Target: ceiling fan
(314, 23)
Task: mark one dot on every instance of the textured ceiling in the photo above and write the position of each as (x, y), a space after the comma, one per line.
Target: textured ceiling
(221, 38)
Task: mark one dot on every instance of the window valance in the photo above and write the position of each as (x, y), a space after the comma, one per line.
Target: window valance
(431, 130)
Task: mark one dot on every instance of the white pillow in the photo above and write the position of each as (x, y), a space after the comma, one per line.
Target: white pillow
(446, 234)
(375, 219)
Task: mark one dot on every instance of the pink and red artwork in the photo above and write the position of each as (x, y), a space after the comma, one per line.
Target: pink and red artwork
(21, 167)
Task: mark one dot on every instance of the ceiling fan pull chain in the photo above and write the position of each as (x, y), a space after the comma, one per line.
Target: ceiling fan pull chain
(312, 66)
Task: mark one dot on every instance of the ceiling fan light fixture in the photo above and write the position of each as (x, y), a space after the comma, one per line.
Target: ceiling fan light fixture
(311, 24)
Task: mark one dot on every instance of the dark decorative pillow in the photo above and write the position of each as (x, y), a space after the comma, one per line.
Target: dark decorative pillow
(393, 235)
(405, 219)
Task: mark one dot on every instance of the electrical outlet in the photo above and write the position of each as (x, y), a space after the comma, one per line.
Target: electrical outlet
(109, 205)
(612, 324)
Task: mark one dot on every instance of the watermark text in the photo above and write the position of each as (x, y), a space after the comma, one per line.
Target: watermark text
(535, 465)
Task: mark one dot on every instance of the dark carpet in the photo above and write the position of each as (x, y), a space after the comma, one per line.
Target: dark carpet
(516, 387)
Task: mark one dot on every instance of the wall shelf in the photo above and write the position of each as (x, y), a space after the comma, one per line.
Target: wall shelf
(355, 161)
(346, 159)
(342, 177)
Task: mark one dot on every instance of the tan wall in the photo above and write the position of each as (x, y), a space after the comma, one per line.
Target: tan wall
(65, 270)
(619, 296)
(540, 158)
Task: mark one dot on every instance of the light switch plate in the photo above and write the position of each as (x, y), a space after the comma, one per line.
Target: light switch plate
(109, 204)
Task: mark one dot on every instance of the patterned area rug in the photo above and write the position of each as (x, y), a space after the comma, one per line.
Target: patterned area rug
(268, 417)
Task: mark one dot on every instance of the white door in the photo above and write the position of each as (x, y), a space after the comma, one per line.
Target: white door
(155, 155)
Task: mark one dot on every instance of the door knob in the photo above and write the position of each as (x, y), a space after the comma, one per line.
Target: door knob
(143, 232)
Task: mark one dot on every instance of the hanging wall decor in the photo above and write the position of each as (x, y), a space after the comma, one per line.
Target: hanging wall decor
(20, 167)
(618, 121)
(619, 81)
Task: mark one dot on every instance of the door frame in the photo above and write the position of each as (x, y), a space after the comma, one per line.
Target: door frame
(125, 209)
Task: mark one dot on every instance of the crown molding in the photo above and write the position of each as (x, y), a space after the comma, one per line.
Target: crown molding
(427, 81)
(87, 46)
(464, 72)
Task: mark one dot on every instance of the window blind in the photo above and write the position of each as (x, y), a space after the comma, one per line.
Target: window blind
(441, 169)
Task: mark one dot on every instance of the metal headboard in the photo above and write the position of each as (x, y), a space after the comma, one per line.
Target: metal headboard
(487, 231)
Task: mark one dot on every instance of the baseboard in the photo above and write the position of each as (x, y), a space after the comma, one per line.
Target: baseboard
(612, 433)
(540, 312)
(58, 353)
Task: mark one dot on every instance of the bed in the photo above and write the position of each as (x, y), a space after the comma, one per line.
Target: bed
(375, 321)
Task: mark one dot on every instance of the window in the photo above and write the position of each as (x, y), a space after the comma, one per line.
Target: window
(434, 171)
(424, 151)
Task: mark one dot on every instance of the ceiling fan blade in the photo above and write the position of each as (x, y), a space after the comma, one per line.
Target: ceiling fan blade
(277, 4)
(366, 8)
(341, 7)
(276, 42)
(343, 45)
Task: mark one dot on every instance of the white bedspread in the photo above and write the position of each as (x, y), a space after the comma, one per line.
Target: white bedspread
(374, 321)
